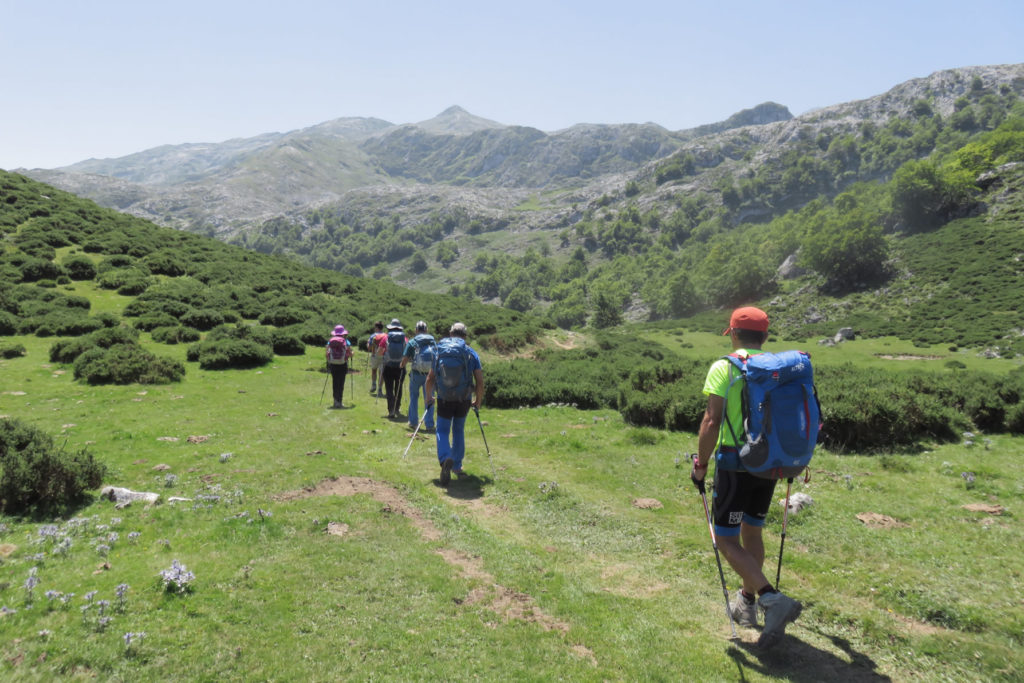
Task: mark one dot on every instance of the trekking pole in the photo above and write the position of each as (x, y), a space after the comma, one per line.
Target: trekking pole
(494, 475)
(714, 544)
(324, 391)
(415, 432)
(785, 520)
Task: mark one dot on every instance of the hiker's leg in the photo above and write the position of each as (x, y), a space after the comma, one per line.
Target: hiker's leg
(459, 434)
(458, 441)
(758, 494)
(428, 416)
(743, 563)
(444, 426)
(337, 382)
(391, 377)
(416, 381)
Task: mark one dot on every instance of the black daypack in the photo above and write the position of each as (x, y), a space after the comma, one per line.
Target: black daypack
(395, 348)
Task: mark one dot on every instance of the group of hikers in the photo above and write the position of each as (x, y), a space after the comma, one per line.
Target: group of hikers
(446, 373)
(749, 461)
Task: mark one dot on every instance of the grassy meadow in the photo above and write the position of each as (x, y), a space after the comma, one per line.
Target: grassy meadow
(577, 551)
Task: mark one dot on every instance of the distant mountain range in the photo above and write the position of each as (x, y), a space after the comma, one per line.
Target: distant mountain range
(367, 167)
(225, 187)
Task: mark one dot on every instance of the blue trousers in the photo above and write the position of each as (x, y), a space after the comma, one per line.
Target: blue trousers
(417, 385)
(451, 432)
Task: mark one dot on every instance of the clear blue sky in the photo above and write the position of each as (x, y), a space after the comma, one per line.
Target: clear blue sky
(105, 78)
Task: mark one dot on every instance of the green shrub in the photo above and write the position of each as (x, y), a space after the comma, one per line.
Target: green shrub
(151, 321)
(174, 334)
(281, 317)
(1015, 419)
(287, 344)
(126, 364)
(12, 351)
(66, 351)
(202, 319)
(79, 267)
(8, 324)
(35, 477)
(222, 354)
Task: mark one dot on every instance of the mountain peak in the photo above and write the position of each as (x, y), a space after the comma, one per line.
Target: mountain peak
(457, 121)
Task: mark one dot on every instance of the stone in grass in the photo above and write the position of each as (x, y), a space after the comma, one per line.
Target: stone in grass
(122, 497)
(647, 503)
(797, 502)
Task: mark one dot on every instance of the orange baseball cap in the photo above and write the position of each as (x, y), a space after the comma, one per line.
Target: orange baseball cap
(748, 318)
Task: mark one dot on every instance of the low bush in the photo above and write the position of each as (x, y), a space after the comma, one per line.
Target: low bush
(79, 267)
(150, 321)
(37, 478)
(174, 334)
(12, 351)
(126, 364)
(222, 354)
(287, 344)
(284, 316)
(202, 319)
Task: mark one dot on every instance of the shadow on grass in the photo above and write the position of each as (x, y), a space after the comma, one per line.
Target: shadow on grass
(796, 660)
(470, 487)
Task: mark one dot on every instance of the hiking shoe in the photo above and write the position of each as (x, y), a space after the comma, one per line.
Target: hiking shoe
(461, 474)
(446, 471)
(779, 610)
(373, 390)
(743, 613)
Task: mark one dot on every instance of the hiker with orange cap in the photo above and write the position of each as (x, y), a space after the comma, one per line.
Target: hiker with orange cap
(339, 351)
(740, 500)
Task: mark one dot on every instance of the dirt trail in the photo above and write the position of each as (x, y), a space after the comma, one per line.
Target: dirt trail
(505, 602)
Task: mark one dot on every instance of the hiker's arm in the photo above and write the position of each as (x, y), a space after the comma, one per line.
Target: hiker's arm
(428, 387)
(710, 425)
(478, 376)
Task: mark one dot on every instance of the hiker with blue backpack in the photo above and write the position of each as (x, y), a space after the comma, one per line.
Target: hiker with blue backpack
(419, 354)
(458, 379)
(339, 351)
(760, 425)
(392, 346)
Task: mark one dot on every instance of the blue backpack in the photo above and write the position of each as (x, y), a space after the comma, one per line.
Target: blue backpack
(395, 348)
(781, 413)
(426, 351)
(451, 368)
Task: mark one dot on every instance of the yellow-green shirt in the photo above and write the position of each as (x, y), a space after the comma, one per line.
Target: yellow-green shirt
(717, 383)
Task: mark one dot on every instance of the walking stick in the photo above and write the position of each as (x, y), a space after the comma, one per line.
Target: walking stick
(785, 520)
(494, 474)
(324, 391)
(714, 544)
(417, 431)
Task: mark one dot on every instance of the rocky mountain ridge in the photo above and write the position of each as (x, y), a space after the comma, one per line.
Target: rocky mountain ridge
(482, 166)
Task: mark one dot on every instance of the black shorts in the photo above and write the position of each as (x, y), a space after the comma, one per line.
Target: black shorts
(453, 409)
(740, 497)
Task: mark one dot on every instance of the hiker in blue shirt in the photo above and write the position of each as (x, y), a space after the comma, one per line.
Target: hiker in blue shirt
(740, 500)
(459, 380)
(419, 354)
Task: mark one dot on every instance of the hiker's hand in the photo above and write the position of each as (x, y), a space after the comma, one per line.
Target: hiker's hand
(698, 473)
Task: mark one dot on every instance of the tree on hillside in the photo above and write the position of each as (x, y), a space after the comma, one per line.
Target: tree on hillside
(924, 196)
(846, 247)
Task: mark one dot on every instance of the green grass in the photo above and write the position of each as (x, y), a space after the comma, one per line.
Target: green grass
(546, 572)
